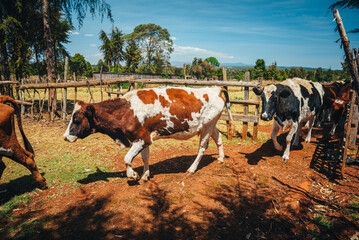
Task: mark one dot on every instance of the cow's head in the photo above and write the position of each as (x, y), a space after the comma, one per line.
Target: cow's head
(269, 101)
(81, 124)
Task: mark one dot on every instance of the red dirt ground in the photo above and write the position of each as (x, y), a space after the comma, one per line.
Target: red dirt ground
(253, 195)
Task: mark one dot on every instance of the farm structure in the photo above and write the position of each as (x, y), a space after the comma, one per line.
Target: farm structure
(119, 86)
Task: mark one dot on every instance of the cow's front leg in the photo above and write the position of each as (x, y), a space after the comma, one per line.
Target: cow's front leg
(275, 130)
(309, 135)
(203, 144)
(136, 148)
(145, 158)
(289, 140)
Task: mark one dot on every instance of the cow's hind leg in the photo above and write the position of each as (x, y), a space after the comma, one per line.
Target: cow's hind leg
(136, 148)
(309, 135)
(27, 159)
(217, 137)
(203, 145)
(145, 158)
(2, 166)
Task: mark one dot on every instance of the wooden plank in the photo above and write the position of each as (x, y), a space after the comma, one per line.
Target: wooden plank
(241, 118)
(247, 102)
(246, 108)
(133, 81)
(115, 92)
(8, 82)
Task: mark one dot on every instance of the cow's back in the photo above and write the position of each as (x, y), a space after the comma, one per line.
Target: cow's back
(307, 94)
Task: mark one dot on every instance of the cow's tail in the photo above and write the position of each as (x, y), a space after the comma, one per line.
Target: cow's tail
(232, 128)
(7, 99)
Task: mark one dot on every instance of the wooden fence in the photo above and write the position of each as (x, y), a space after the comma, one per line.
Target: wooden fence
(106, 83)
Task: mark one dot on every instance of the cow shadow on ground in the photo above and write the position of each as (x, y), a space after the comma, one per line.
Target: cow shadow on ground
(168, 166)
(16, 187)
(267, 150)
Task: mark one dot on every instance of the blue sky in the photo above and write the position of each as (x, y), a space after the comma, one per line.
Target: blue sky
(292, 32)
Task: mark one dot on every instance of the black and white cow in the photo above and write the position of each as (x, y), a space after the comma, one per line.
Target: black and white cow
(291, 103)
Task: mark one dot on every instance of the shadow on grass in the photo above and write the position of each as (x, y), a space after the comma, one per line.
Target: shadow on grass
(172, 165)
(16, 187)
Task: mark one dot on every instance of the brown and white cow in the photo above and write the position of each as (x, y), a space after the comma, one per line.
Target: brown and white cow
(9, 145)
(140, 117)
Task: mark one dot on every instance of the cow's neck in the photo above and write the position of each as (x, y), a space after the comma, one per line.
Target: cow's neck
(111, 118)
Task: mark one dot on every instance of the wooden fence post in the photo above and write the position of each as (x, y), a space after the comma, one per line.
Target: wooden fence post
(22, 99)
(184, 71)
(75, 99)
(64, 97)
(255, 125)
(246, 97)
(101, 84)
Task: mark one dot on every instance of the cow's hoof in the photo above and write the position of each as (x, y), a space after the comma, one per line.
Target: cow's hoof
(135, 176)
(189, 173)
(285, 158)
(145, 176)
(42, 185)
(220, 160)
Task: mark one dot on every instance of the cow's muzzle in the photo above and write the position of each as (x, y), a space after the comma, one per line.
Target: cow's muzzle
(265, 117)
(70, 138)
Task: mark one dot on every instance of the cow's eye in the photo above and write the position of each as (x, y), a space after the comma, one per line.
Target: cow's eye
(274, 99)
(77, 121)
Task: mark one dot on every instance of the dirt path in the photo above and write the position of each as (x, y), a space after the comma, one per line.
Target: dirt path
(253, 195)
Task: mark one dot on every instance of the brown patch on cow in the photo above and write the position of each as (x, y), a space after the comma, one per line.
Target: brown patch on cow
(183, 104)
(164, 102)
(205, 96)
(147, 96)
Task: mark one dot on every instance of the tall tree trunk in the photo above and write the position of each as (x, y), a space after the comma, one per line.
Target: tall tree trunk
(50, 62)
(5, 70)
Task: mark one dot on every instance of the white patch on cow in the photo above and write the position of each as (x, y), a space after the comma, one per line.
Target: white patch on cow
(339, 101)
(6, 152)
(67, 135)
(268, 91)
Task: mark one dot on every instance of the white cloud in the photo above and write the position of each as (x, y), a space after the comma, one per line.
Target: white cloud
(100, 54)
(89, 35)
(173, 38)
(93, 45)
(74, 33)
(191, 52)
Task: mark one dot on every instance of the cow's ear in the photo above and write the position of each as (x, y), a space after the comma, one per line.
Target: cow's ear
(284, 93)
(257, 91)
(89, 111)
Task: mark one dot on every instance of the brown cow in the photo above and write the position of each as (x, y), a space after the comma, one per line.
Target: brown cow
(339, 105)
(143, 116)
(331, 92)
(9, 145)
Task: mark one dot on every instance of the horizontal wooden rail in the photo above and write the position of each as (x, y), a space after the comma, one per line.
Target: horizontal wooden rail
(242, 118)
(113, 92)
(76, 84)
(132, 80)
(248, 102)
(8, 82)
(23, 102)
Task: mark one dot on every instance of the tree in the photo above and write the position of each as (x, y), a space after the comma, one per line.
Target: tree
(353, 4)
(213, 61)
(106, 48)
(155, 43)
(259, 69)
(132, 56)
(117, 39)
(273, 72)
(68, 6)
(78, 64)
(201, 69)
(319, 75)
